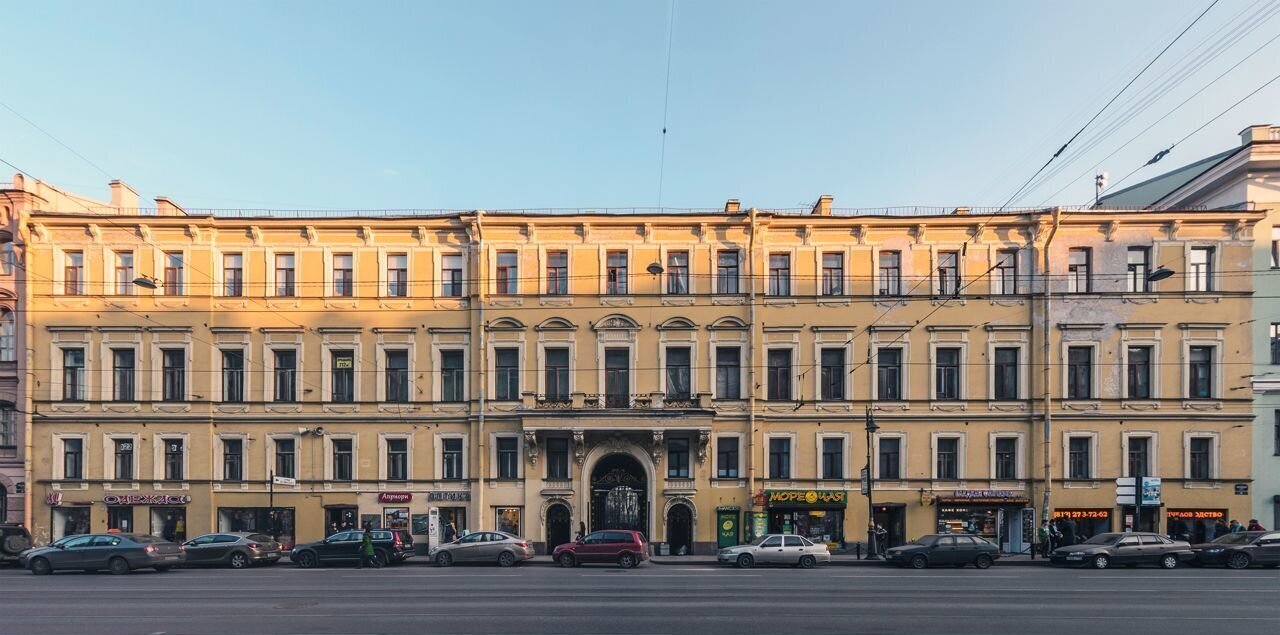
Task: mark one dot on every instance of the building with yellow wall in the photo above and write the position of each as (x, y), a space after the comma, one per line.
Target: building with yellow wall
(698, 376)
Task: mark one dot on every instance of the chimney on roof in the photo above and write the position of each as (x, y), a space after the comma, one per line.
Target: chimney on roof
(823, 206)
(123, 196)
(732, 206)
(166, 207)
(1263, 132)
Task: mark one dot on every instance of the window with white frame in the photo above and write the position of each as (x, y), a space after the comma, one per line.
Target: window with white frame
(1006, 375)
(780, 274)
(397, 459)
(123, 458)
(451, 275)
(890, 263)
(173, 374)
(557, 272)
(1005, 280)
(343, 451)
(175, 458)
(286, 276)
(1138, 268)
(947, 273)
(946, 456)
(73, 458)
(727, 456)
(833, 273)
(73, 273)
(779, 374)
(232, 459)
(396, 375)
(1005, 457)
(1080, 372)
(616, 272)
(1200, 269)
(8, 433)
(398, 275)
(73, 386)
(451, 459)
(232, 275)
(678, 272)
(779, 458)
(507, 280)
(946, 366)
(728, 372)
(1140, 450)
(286, 459)
(174, 273)
(889, 452)
(124, 273)
(343, 275)
(506, 380)
(1200, 458)
(1200, 372)
(833, 458)
(452, 376)
(8, 331)
(727, 271)
(1079, 276)
(1080, 457)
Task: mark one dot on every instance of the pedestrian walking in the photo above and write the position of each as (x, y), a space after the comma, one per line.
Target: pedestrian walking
(1235, 527)
(881, 537)
(1044, 536)
(1254, 525)
(367, 555)
(582, 531)
(1219, 529)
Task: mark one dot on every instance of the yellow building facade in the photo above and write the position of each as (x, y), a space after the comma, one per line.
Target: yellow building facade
(700, 376)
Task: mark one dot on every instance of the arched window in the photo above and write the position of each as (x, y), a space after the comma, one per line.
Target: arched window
(7, 258)
(7, 353)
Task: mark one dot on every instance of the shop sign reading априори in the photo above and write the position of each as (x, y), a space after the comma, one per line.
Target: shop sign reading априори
(394, 497)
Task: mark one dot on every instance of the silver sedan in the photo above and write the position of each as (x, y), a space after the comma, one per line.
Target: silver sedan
(484, 546)
(777, 549)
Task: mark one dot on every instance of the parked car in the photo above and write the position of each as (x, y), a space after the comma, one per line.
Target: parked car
(390, 546)
(14, 539)
(1129, 549)
(117, 553)
(954, 549)
(484, 546)
(627, 548)
(1241, 549)
(238, 550)
(776, 549)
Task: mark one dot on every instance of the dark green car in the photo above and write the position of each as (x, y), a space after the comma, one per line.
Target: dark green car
(956, 550)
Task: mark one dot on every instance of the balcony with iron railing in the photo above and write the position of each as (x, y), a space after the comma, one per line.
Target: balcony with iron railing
(579, 401)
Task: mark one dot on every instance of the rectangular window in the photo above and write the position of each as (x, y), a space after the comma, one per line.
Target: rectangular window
(1006, 467)
(508, 274)
(123, 373)
(616, 272)
(73, 459)
(124, 459)
(232, 275)
(232, 376)
(728, 372)
(508, 457)
(678, 272)
(1080, 372)
(889, 374)
(833, 374)
(397, 376)
(1139, 457)
(890, 458)
(678, 373)
(343, 459)
(73, 388)
(73, 273)
(285, 276)
(1201, 458)
(452, 459)
(1005, 281)
(173, 273)
(1006, 374)
(174, 369)
(557, 374)
(617, 377)
(947, 373)
(1079, 457)
(1276, 445)
(506, 374)
(779, 374)
(452, 376)
(232, 460)
(1078, 278)
(832, 458)
(8, 438)
(557, 272)
(8, 259)
(397, 459)
(1139, 267)
(727, 457)
(398, 275)
(1275, 343)
(343, 376)
(948, 458)
(124, 272)
(174, 459)
(1200, 269)
(451, 275)
(1139, 372)
(286, 458)
(833, 274)
(8, 332)
(890, 273)
(558, 458)
(343, 275)
(948, 273)
(286, 373)
(727, 271)
(780, 274)
(1200, 372)
(677, 458)
(779, 458)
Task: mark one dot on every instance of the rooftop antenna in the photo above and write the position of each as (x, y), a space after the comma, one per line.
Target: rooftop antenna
(1099, 184)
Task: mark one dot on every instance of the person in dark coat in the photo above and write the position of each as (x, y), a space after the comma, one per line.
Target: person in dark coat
(1254, 525)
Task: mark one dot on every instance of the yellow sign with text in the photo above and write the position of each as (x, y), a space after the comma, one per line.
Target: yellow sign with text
(805, 498)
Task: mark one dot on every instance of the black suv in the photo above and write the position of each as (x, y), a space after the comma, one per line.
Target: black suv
(390, 546)
(14, 539)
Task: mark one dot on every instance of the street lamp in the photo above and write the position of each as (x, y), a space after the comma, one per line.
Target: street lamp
(868, 482)
(1159, 274)
(654, 269)
(147, 282)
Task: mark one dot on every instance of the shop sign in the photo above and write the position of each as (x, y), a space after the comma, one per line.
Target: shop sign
(343, 362)
(395, 497)
(146, 499)
(1082, 514)
(449, 496)
(1195, 514)
(804, 497)
(53, 499)
(984, 496)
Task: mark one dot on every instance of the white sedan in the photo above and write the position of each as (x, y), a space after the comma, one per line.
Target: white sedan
(777, 549)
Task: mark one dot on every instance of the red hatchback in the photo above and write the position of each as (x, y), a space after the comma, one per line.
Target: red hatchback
(626, 548)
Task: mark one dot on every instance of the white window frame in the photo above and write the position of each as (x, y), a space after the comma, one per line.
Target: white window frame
(544, 260)
(1154, 344)
(382, 349)
(466, 455)
(1020, 454)
(792, 262)
(1213, 279)
(1023, 379)
(438, 266)
(690, 344)
(157, 370)
(962, 378)
(961, 452)
(219, 453)
(715, 451)
(493, 453)
(384, 273)
(270, 448)
(59, 465)
(845, 459)
(522, 370)
(903, 456)
(383, 463)
(158, 441)
(794, 349)
(1217, 369)
(437, 375)
(604, 270)
(269, 371)
(1154, 450)
(1095, 372)
(329, 438)
(1092, 436)
(329, 290)
(845, 343)
(905, 389)
(109, 454)
(541, 372)
(791, 458)
(715, 267)
(1215, 445)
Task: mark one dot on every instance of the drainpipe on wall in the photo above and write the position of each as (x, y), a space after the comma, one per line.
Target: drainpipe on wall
(482, 378)
(751, 373)
(1046, 358)
(26, 384)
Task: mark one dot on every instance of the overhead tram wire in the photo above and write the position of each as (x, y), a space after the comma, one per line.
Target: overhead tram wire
(666, 100)
(56, 140)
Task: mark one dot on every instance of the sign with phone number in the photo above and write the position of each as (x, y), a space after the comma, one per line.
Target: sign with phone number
(1101, 514)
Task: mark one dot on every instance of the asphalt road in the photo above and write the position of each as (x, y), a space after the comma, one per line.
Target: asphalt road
(652, 599)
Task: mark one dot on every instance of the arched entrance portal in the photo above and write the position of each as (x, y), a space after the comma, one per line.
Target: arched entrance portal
(680, 530)
(619, 495)
(558, 526)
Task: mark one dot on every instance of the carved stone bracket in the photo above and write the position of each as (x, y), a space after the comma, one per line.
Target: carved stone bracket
(656, 450)
(531, 446)
(704, 437)
(579, 447)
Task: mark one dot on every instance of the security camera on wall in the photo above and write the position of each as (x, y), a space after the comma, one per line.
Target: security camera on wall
(319, 431)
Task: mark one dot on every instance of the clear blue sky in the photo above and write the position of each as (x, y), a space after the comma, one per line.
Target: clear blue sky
(559, 104)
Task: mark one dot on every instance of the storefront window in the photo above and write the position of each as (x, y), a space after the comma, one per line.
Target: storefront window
(1079, 525)
(1194, 525)
(453, 523)
(395, 518)
(120, 519)
(508, 520)
(70, 521)
(169, 523)
(818, 525)
(276, 522)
